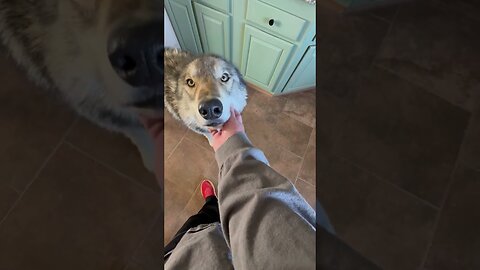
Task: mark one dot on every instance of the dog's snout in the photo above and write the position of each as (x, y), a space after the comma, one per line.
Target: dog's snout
(211, 109)
(136, 54)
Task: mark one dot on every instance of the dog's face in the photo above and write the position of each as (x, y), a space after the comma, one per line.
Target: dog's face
(109, 52)
(207, 88)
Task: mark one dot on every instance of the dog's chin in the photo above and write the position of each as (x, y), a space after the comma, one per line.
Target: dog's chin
(215, 125)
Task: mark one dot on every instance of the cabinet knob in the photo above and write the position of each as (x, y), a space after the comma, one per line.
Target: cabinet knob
(271, 22)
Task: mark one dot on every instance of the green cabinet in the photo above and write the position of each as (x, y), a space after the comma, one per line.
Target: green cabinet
(263, 57)
(181, 14)
(304, 75)
(214, 28)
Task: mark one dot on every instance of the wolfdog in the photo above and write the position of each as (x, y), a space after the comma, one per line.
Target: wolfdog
(201, 89)
(103, 57)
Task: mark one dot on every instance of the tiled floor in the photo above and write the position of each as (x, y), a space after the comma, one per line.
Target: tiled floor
(398, 132)
(283, 127)
(72, 196)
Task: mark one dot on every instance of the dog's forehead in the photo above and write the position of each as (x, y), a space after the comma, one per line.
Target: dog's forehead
(207, 66)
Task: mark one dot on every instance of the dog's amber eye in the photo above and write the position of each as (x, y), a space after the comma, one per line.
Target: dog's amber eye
(225, 77)
(190, 83)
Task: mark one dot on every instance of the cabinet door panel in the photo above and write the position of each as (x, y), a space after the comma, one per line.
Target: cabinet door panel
(222, 5)
(304, 75)
(184, 25)
(263, 57)
(214, 28)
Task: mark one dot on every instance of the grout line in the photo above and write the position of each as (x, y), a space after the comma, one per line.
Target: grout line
(394, 19)
(305, 181)
(281, 147)
(197, 187)
(144, 238)
(304, 156)
(14, 189)
(38, 172)
(295, 119)
(300, 170)
(203, 147)
(422, 87)
(176, 146)
(447, 193)
(381, 179)
(130, 179)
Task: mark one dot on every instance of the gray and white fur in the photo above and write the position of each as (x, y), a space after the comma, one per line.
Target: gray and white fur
(191, 80)
(62, 44)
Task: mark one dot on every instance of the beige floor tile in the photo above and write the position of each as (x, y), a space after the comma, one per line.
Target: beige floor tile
(33, 124)
(195, 203)
(188, 165)
(174, 132)
(149, 255)
(263, 104)
(198, 139)
(176, 198)
(292, 134)
(283, 161)
(7, 199)
(113, 149)
(77, 215)
(301, 106)
(313, 138)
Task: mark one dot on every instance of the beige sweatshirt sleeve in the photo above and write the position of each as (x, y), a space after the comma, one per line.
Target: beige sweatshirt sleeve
(266, 223)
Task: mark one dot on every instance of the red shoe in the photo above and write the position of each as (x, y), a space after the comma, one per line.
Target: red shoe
(207, 189)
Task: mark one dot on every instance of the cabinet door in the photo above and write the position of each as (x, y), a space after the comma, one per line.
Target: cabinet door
(263, 57)
(304, 75)
(214, 28)
(183, 22)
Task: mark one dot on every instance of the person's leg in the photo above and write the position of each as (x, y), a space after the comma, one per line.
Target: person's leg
(209, 213)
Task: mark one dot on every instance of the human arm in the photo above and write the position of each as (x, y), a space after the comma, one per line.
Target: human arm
(266, 222)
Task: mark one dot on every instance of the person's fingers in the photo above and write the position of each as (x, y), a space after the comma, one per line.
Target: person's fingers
(217, 134)
(230, 122)
(236, 113)
(238, 116)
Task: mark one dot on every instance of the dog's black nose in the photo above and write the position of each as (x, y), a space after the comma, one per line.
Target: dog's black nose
(211, 109)
(136, 54)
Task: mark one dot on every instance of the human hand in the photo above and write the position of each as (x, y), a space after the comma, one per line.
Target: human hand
(155, 128)
(230, 128)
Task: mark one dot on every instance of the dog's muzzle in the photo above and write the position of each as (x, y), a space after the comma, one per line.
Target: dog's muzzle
(136, 53)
